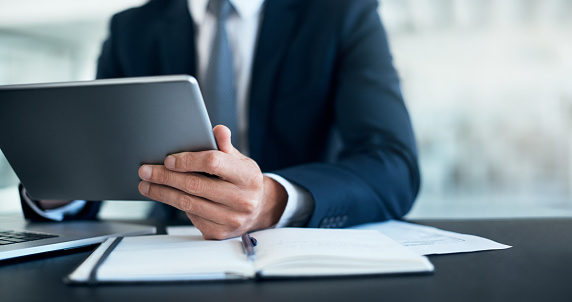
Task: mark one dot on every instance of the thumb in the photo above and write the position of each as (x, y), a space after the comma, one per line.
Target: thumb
(222, 136)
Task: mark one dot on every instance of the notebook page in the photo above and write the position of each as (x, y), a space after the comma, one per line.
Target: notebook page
(164, 257)
(331, 251)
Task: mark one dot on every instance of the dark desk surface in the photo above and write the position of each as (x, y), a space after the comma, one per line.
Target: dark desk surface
(537, 268)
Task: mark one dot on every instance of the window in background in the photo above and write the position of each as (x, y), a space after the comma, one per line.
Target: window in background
(49, 41)
(489, 87)
(27, 59)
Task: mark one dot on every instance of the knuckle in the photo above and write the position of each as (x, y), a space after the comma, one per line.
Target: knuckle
(213, 163)
(245, 203)
(248, 205)
(236, 221)
(185, 203)
(216, 234)
(208, 235)
(192, 185)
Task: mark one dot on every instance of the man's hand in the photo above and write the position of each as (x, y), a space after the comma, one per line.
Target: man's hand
(237, 198)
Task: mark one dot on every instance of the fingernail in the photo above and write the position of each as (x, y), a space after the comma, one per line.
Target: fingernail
(144, 187)
(145, 172)
(170, 162)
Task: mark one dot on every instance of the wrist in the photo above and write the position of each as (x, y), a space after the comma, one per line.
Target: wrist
(274, 201)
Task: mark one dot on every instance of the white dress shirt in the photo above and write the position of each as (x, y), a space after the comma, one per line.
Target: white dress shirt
(242, 30)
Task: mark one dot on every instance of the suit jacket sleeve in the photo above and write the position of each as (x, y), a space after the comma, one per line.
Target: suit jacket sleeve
(376, 175)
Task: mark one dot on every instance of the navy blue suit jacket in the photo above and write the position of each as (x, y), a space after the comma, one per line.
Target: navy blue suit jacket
(325, 108)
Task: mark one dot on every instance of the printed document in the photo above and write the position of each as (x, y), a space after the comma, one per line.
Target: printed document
(423, 240)
(426, 240)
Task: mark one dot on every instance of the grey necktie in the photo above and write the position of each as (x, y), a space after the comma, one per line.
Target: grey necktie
(219, 89)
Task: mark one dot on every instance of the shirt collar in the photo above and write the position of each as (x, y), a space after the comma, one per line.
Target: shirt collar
(245, 8)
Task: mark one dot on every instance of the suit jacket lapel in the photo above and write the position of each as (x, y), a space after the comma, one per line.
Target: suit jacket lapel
(177, 41)
(177, 51)
(276, 31)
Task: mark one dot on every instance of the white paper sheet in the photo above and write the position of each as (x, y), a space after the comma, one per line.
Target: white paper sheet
(425, 240)
(183, 231)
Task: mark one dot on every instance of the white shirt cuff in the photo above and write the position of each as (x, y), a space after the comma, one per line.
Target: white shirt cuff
(299, 206)
(57, 214)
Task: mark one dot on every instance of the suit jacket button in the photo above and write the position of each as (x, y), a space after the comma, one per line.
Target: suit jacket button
(337, 222)
(330, 222)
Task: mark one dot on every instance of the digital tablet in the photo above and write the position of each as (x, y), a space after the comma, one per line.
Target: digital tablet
(86, 140)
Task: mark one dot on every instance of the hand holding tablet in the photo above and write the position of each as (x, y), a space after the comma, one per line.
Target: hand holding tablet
(135, 139)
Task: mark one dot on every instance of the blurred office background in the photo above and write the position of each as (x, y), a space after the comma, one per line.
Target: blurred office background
(488, 84)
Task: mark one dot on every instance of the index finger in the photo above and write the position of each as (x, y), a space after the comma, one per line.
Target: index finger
(213, 162)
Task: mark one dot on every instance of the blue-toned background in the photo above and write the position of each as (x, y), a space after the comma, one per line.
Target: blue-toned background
(488, 84)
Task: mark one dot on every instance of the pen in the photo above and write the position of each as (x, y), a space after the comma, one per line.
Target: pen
(248, 243)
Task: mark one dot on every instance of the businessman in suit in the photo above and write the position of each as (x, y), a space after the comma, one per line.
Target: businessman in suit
(322, 137)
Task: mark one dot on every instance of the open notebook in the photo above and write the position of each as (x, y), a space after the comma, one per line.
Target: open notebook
(284, 252)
